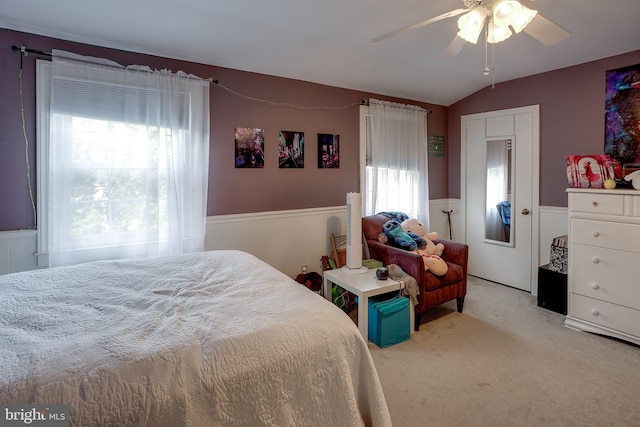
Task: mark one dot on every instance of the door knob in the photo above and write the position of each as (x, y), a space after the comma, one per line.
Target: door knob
(525, 211)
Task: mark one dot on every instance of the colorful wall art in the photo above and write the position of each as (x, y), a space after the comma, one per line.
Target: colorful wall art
(622, 114)
(249, 147)
(291, 149)
(328, 151)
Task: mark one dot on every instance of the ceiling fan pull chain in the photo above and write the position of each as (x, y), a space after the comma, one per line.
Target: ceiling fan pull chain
(486, 51)
(493, 66)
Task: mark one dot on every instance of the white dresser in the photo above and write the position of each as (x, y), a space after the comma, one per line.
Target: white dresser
(604, 262)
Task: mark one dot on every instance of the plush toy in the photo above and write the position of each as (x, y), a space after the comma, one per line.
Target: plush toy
(634, 177)
(411, 288)
(430, 252)
(434, 264)
(414, 226)
(397, 237)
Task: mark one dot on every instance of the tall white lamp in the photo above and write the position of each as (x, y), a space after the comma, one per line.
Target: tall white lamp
(354, 235)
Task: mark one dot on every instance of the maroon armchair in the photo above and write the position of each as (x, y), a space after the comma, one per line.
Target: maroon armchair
(434, 290)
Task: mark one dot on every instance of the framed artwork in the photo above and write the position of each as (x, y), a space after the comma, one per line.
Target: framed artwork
(290, 149)
(622, 115)
(328, 151)
(589, 171)
(435, 145)
(249, 147)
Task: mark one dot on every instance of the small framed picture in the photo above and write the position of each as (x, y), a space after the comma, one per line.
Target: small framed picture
(328, 151)
(249, 147)
(290, 149)
(588, 171)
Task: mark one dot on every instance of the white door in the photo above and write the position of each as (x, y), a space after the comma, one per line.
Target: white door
(500, 184)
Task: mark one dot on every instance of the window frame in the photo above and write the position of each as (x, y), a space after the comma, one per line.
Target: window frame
(91, 245)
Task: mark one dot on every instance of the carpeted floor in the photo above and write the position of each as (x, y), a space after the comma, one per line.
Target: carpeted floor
(506, 362)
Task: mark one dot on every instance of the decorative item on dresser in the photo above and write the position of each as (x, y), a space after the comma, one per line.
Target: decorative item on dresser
(604, 254)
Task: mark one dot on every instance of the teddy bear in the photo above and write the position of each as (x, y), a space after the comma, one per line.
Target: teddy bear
(414, 226)
(430, 252)
(396, 236)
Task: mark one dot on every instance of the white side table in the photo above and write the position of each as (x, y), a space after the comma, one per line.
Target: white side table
(363, 286)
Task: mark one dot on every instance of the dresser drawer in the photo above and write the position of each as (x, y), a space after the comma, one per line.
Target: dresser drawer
(606, 314)
(614, 278)
(625, 237)
(620, 265)
(611, 204)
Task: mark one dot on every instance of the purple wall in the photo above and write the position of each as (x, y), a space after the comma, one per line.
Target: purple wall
(230, 190)
(572, 122)
(571, 118)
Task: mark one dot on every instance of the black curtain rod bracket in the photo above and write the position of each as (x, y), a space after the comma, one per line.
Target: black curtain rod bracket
(26, 51)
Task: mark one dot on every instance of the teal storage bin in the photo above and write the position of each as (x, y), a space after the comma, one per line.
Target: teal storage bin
(389, 321)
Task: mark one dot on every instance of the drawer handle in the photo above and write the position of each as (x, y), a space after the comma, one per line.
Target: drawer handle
(596, 234)
(595, 286)
(595, 312)
(595, 260)
(595, 204)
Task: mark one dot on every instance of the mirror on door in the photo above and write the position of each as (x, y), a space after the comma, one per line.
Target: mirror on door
(498, 191)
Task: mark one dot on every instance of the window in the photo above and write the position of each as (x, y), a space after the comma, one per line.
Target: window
(394, 191)
(394, 159)
(123, 161)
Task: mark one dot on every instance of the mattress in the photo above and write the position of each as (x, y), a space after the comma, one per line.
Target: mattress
(212, 338)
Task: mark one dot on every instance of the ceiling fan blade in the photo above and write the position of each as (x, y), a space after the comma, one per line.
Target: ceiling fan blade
(420, 24)
(545, 31)
(454, 48)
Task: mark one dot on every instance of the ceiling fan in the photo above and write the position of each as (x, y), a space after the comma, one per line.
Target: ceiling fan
(501, 17)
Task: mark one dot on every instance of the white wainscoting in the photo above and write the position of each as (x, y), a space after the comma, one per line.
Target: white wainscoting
(17, 251)
(288, 239)
(439, 222)
(284, 239)
(554, 222)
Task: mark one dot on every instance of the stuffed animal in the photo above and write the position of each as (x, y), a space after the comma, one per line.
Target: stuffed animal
(634, 177)
(397, 237)
(430, 252)
(434, 263)
(430, 248)
(411, 288)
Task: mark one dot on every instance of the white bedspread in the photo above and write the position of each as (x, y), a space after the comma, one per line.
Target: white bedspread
(207, 339)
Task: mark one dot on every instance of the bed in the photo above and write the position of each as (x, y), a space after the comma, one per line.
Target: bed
(215, 338)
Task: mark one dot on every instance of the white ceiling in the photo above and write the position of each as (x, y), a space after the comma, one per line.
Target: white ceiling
(328, 41)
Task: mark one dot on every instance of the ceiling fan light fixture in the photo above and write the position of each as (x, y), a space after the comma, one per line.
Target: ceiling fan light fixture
(523, 19)
(497, 33)
(471, 24)
(506, 12)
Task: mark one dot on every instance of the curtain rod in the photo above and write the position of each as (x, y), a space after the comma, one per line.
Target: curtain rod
(366, 102)
(25, 51)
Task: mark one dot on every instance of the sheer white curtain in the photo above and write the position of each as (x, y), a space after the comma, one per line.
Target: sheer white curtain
(128, 154)
(497, 184)
(397, 171)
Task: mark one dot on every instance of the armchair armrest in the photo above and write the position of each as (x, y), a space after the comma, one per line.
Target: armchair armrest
(455, 252)
(411, 262)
